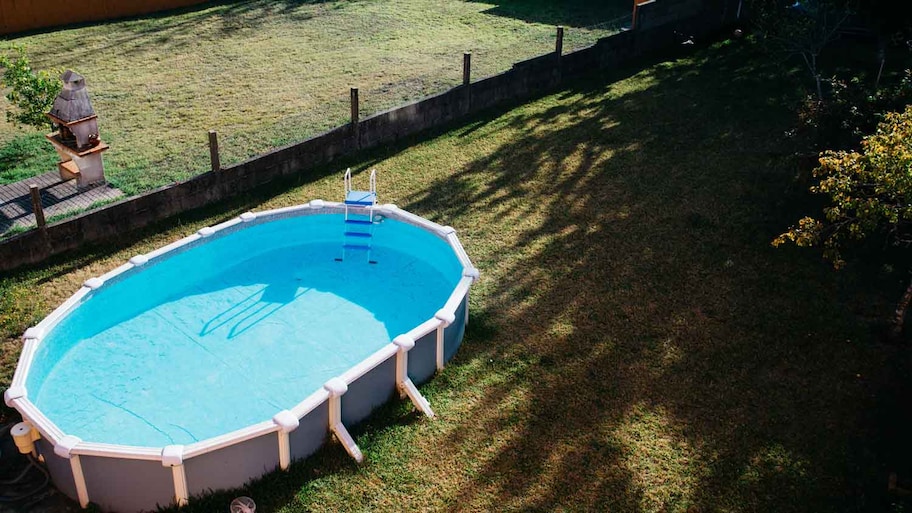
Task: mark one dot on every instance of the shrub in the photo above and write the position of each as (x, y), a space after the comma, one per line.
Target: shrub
(30, 93)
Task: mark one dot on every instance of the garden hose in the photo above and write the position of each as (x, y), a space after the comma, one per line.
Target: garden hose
(29, 482)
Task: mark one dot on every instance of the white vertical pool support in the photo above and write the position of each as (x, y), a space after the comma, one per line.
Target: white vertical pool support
(287, 423)
(64, 449)
(173, 456)
(337, 388)
(403, 382)
(445, 318)
(470, 272)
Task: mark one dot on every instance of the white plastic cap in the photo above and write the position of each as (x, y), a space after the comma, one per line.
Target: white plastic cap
(24, 436)
(139, 260)
(336, 386)
(33, 332)
(471, 272)
(65, 446)
(12, 393)
(205, 232)
(446, 317)
(248, 216)
(446, 230)
(286, 420)
(172, 455)
(93, 283)
(317, 203)
(404, 342)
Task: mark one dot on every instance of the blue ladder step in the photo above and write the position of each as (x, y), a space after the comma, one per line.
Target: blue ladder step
(358, 221)
(358, 234)
(362, 198)
(361, 247)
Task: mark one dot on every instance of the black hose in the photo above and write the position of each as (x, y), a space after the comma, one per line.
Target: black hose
(19, 488)
(15, 480)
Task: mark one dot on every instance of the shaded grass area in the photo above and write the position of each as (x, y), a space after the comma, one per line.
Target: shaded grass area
(266, 73)
(635, 344)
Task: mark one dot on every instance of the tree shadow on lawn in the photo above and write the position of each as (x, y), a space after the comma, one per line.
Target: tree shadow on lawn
(179, 28)
(651, 352)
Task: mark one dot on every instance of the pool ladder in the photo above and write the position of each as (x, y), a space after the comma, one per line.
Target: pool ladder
(359, 225)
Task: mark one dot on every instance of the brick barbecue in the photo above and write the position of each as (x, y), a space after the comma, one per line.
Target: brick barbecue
(76, 136)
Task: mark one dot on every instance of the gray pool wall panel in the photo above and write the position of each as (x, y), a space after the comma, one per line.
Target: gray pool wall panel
(232, 466)
(311, 433)
(373, 389)
(120, 484)
(452, 334)
(60, 469)
(422, 359)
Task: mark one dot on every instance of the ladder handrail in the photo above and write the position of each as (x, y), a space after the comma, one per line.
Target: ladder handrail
(348, 181)
(373, 184)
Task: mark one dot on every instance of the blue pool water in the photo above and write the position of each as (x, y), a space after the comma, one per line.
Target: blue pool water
(233, 330)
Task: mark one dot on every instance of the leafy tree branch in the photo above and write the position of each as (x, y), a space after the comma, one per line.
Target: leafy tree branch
(31, 94)
(869, 192)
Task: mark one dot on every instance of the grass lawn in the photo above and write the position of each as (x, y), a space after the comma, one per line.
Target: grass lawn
(265, 72)
(635, 343)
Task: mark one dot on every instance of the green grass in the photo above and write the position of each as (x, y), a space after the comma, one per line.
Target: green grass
(265, 73)
(24, 156)
(635, 344)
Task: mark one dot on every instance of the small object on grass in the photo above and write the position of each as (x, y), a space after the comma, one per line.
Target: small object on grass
(243, 505)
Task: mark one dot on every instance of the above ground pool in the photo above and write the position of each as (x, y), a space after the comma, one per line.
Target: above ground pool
(236, 350)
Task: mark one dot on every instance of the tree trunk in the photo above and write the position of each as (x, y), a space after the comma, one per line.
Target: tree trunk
(813, 65)
(900, 315)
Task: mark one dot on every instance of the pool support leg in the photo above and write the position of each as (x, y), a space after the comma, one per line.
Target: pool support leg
(64, 449)
(173, 456)
(337, 388)
(445, 318)
(403, 383)
(287, 423)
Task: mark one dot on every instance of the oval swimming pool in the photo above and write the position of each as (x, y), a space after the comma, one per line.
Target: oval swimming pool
(236, 350)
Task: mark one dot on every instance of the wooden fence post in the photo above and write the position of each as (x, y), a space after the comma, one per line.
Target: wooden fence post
(37, 208)
(467, 78)
(355, 116)
(559, 51)
(559, 44)
(214, 151)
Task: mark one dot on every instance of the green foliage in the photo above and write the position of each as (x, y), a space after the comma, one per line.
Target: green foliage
(851, 112)
(869, 192)
(30, 93)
